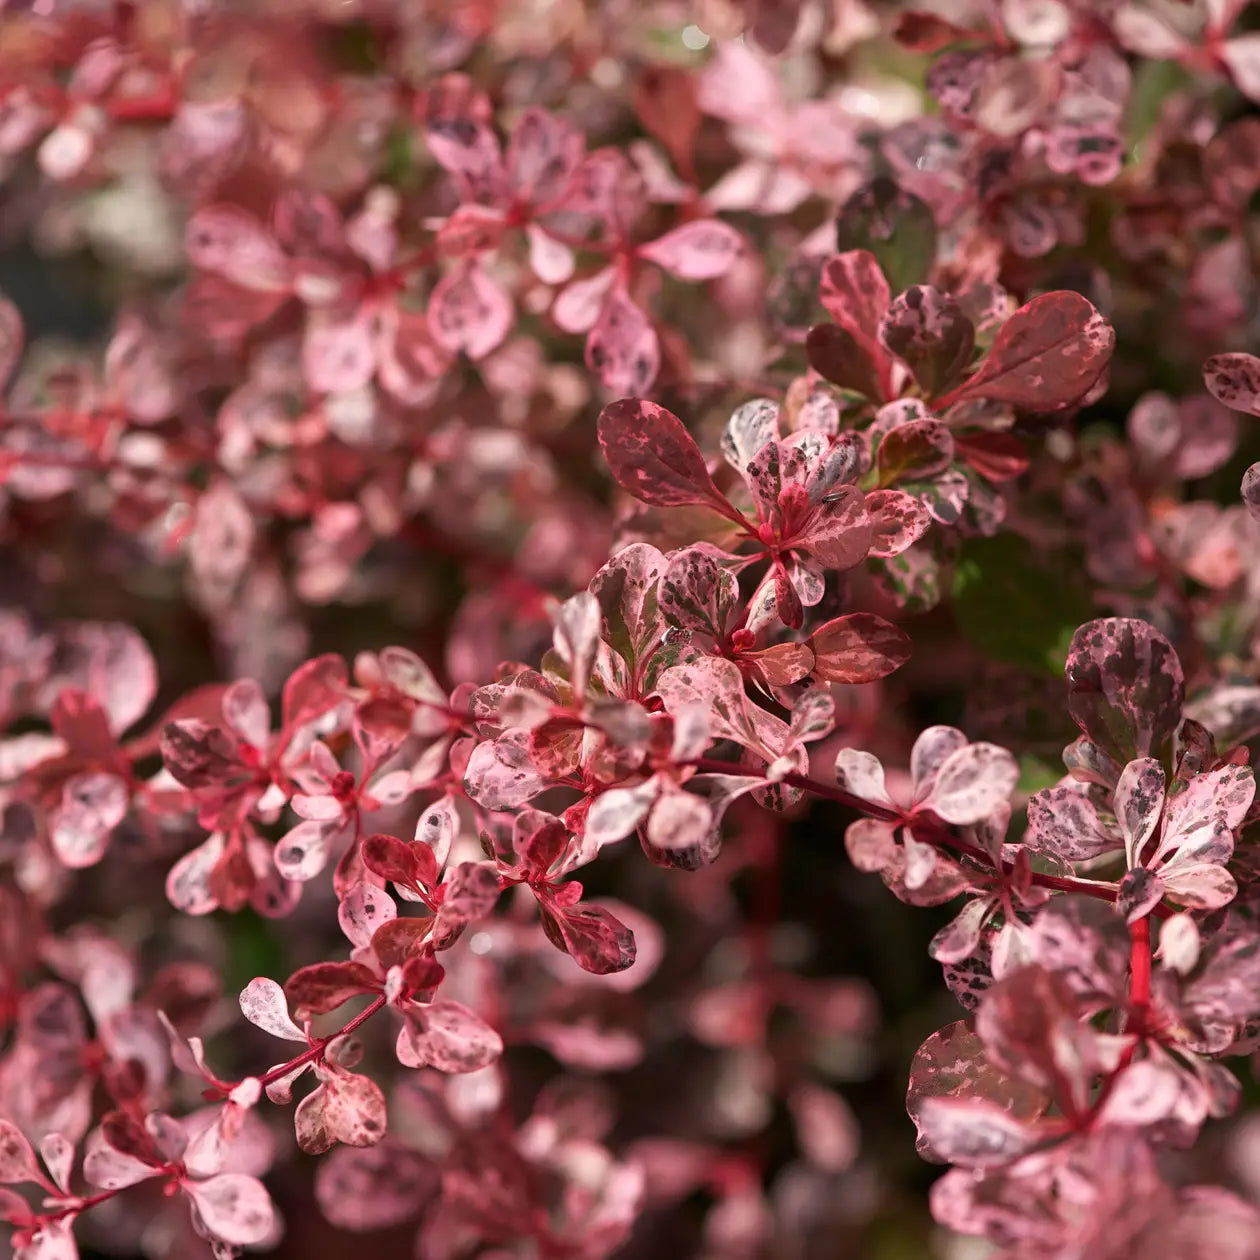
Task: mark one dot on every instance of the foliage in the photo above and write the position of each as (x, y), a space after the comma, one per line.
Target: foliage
(548, 470)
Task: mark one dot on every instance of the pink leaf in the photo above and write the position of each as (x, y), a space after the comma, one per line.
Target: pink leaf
(1048, 355)
(449, 1037)
(652, 456)
(234, 1208)
(374, 1188)
(971, 1132)
(898, 521)
(622, 349)
(1234, 379)
(593, 937)
(263, 1004)
(1241, 56)
(858, 648)
(362, 910)
(347, 1108)
(825, 1127)
(1125, 685)
(92, 805)
(915, 451)
(469, 893)
(972, 783)
(700, 250)
(927, 330)
(338, 352)
(231, 243)
(855, 294)
(313, 689)
(697, 593)
(189, 883)
(17, 1158)
(500, 775)
(469, 311)
(1139, 801)
(1063, 823)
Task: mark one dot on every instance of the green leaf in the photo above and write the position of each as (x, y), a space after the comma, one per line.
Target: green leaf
(1016, 605)
(895, 226)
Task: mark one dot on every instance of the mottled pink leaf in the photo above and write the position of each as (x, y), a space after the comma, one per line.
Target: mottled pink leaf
(972, 782)
(449, 1037)
(362, 910)
(92, 805)
(1047, 355)
(1125, 685)
(697, 593)
(1234, 379)
(898, 521)
(858, 648)
(622, 348)
(263, 1004)
(500, 775)
(233, 1207)
(1139, 801)
(1063, 823)
(323, 987)
(593, 937)
(652, 456)
(365, 1189)
(971, 1132)
(232, 243)
(17, 1158)
(914, 451)
(469, 311)
(700, 250)
(928, 331)
(347, 1108)
(855, 294)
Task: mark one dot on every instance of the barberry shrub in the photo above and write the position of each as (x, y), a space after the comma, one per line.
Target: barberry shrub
(513, 513)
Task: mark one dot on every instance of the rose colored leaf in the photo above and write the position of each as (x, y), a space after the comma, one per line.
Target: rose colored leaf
(322, 987)
(190, 882)
(1139, 800)
(1234, 379)
(111, 1169)
(314, 689)
(995, 456)
(1048, 355)
(233, 244)
(700, 250)
(1084, 942)
(622, 348)
(1241, 56)
(960, 937)
(1251, 491)
(928, 331)
(338, 352)
(543, 153)
(653, 457)
(396, 860)
(17, 1158)
(366, 1189)
(836, 354)
(57, 1152)
(469, 893)
(449, 1037)
(855, 294)
(898, 521)
(861, 774)
(234, 1208)
(971, 1132)
(826, 1128)
(915, 451)
(347, 1108)
(1144, 1095)
(616, 813)
(840, 532)
(469, 311)
(92, 805)
(752, 426)
(593, 937)
(263, 1004)
(1140, 891)
(362, 910)
(1125, 686)
(858, 648)
(973, 782)
(681, 829)
(577, 307)
(1063, 823)
(303, 852)
(1179, 943)
(500, 773)
(697, 593)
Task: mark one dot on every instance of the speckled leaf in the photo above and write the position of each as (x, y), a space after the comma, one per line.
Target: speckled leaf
(1048, 355)
(1234, 379)
(928, 331)
(652, 455)
(697, 593)
(1125, 686)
